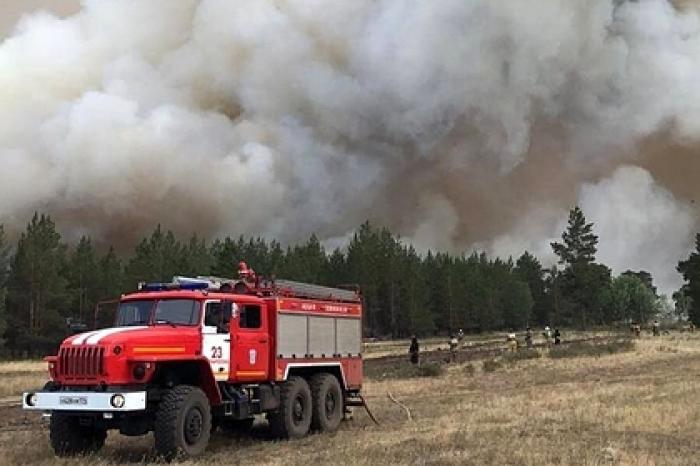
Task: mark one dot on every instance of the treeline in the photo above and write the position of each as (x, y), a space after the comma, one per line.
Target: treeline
(44, 282)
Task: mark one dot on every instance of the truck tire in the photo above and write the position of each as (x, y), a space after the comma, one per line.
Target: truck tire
(183, 423)
(293, 419)
(69, 438)
(327, 399)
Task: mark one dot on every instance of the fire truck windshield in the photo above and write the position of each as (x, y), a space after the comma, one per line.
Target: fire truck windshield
(154, 312)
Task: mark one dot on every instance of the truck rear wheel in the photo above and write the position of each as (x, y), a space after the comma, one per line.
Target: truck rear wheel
(69, 437)
(293, 419)
(183, 423)
(327, 399)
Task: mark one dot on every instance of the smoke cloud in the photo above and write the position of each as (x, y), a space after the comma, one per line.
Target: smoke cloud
(641, 226)
(457, 124)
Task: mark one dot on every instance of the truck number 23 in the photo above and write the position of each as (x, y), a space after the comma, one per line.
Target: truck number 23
(216, 352)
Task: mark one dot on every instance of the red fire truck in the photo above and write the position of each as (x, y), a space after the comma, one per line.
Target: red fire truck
(201, 352)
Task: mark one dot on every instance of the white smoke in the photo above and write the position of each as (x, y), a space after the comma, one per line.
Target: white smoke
(284, 118)
(640, 226)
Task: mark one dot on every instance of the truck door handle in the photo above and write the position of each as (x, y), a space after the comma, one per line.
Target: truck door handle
(227, 340)
(263, 341)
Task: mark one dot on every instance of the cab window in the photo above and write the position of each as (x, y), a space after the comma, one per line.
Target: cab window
(214, 317)
(176, 311)
(251, 316)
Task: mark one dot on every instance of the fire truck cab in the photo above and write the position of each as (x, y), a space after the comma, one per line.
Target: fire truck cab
(185, 356)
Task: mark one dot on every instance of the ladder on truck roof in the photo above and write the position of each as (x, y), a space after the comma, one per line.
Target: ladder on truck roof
(287, 288)
(307, 290)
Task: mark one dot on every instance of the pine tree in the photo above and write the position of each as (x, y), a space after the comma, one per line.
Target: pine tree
(336, 272)
(37, 286)
(415, 316)
(110, 275)
(579, 243)
(690, 269)
(388, 264)
(196, 258)
(4, 266)
(362, 260)
(440, 281)
(226, 254)
(110, 284)
(582, 284)
(306, 262)
(83, 278)
(529, 270)
(516, 303)
(157, 259)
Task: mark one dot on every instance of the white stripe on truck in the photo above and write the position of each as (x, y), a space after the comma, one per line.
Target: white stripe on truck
(93, 338)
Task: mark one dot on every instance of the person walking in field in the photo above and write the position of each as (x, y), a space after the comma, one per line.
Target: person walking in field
(528, 338)
(414, 350)
(547, 334)
(453, 348)
(512, 342)
(557, 337)
(636, 330)
(656, 328)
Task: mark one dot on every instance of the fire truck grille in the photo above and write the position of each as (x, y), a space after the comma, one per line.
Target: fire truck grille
(81, 362)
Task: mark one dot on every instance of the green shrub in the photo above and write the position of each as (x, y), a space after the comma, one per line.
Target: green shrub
(576, 350)
(491, 365)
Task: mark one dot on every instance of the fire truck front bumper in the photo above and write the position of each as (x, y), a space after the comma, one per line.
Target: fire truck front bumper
(85, 401)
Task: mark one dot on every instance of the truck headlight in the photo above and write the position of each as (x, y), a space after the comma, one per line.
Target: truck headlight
(117, 401)
(31, 399)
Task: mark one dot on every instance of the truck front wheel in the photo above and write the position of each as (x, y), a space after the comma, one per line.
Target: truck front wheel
(69, 437)
(293, 418)
(328, 402)
(183, 423)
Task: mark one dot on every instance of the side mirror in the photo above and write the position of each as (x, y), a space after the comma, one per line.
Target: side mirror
(229, 311)
(76, 327)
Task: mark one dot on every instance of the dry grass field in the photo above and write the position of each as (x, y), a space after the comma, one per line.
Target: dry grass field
(17, 376)
(639, 408)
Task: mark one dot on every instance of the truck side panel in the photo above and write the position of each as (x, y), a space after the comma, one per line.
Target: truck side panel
(292, 336)
(349, 337)
(321, 336)
(309, 333)
(306, 336)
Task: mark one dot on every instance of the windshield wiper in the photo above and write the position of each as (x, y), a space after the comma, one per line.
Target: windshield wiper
(162, 321)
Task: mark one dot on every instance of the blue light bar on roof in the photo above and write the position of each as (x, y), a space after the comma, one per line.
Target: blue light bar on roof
(174, 286)
(157, 286)
(194, 286)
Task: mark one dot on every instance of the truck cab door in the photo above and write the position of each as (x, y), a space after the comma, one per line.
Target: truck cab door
(216, 339)
(251, 344)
